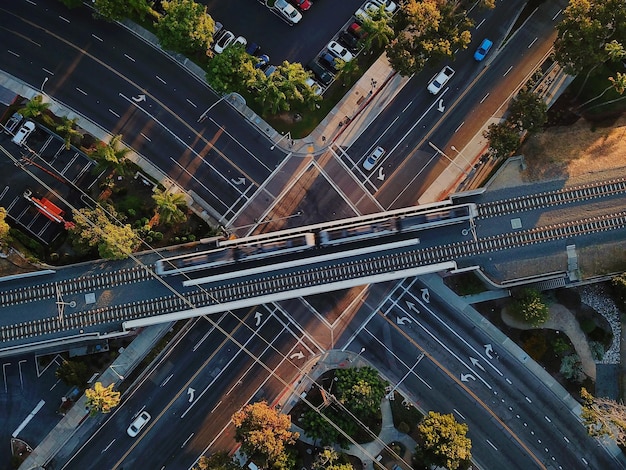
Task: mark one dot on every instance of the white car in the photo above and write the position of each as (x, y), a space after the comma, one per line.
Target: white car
(438, 82)
(317, 89)
(288, 11)
(138, 424)
(223, 41)
(370, 161)
(20, 137)
(390, 6)
(338, 50)
(240, 40)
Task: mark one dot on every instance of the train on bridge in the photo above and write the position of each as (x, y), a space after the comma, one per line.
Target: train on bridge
(315, 236)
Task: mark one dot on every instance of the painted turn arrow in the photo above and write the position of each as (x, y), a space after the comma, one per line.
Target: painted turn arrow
(139, 99)
(466, 377)
(402, 320)
(239, 181)
(476, 363)
(381, 175)
(190, 392)
(426, 295)
(440, 107)
(297, 355)
(258, 316)
(488, 350)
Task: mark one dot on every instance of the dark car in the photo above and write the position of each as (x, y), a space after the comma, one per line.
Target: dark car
(349, 41)
(253, 48)
(328, 61)
(322, 75)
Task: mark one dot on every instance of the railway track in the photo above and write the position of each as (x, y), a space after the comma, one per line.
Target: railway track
(341, 269)
(548, 199)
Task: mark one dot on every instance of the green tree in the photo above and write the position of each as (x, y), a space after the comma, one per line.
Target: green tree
(528, 111)
(34, 108)
(379, 32)
(444, 442)
(571, 368)
(583, 33)
(185, 27)
(360, 390)
(263, 433)
(604, 417)
(530, 307)
(318, 427)
(4, 226)
(116, 10)
(329, 459)
(67, 129)
(93, 228)
(101, 399)
(231, 70)
(73, 373)
(218, 461)
(615, 51)
(72, 3)
(169, 205)
(110, 155)
(503, 139)
(618, 282)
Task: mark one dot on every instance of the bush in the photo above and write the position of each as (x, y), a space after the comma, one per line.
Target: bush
(560, 346)
(587, 325)
(529, 306)
(572, 369)
(597, 350)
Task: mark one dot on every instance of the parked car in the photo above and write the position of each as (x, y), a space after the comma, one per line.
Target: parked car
(288, 12)
(390, 6)
(240, 40)
(317, 89)
(329, 61)
(338, 50)
(349, 41)
(264, 59)
(357, 31)
(302, 5)
(482, 50)
(322, 75)
(270, 70)
(223, 42)
(253, 48)
(22, 134)
(370, 161)
(137, 425)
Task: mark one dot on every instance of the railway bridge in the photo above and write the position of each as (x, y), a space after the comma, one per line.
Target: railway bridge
(104, 300)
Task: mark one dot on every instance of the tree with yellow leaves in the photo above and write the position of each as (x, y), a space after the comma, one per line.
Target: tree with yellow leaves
(102, 399)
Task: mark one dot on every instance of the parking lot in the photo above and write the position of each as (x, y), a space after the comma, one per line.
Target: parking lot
(298, 43)
(41, 170)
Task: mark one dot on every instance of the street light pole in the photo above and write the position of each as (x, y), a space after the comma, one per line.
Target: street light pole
(44, 82)
(288, 134)
(112, 367)
(469, 164)
(203, 116)
(451, 161)
(357, 356)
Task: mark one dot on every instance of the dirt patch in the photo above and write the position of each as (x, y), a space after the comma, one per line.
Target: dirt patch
(581, 149)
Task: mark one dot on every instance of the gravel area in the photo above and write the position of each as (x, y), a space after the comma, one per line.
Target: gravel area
(597, 298)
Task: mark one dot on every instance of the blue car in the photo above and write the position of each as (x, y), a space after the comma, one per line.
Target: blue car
(263, 61)
(482, 50)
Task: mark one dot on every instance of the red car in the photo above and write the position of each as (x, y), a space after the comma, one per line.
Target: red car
(302, 5)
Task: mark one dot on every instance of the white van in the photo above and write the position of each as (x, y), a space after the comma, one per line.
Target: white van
(20, 137)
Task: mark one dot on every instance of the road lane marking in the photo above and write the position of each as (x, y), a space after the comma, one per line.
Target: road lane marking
(81, 91)
(460, 125)
(145, 137)
(96, 37)
(484, 98)
(108, 447)
(161, 80)
(191, 102)
(489, 442)
(14, 53)
(531, 44)
(129, 57)
(480, 24)
(114, 113)
(64, 19)
(47, 71)
(507, 71)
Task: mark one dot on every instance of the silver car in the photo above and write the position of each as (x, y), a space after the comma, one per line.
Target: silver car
(370, 161)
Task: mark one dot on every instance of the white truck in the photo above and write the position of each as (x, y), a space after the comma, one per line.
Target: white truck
(437, 83)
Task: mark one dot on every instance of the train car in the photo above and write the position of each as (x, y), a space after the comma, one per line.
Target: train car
(448, 216)
(338, 235)
(194, 261)
(275, 247)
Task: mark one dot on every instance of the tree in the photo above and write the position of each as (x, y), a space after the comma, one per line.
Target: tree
(503, 139)
(67, 129)
(101, 399)
(528, 111)
(263, 432)
(618, 83)
(530, 307)
(443, 441)
(379, 32)
(360, 390)
(218, 461)
(571, 368)
(4, 226)
(116, 10)
(317, 426)
(618, 282)
(168, 206)
(110, 155)
(73, 373)
(329, 459)
(72, 3)
(185, 27)
(604, 417)
(231, 70)
(93, 228)
(615, 51)
(34, 108)
(587, 26)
